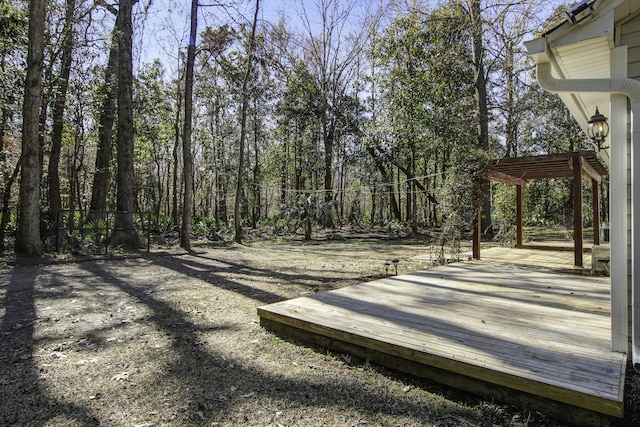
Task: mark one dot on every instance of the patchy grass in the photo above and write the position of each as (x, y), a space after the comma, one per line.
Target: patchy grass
(545, 234)
(173, 339)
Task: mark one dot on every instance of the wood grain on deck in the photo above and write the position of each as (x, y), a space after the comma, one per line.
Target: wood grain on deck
(527, 329)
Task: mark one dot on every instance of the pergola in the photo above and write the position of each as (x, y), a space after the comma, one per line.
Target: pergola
(517, 170)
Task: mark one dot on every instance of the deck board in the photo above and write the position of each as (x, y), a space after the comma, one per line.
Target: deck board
(531, 330)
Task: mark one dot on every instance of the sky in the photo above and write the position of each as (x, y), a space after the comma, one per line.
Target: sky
(164, 30)
(166, 25)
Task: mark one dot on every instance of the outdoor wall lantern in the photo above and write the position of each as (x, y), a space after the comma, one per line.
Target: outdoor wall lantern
(598, 129)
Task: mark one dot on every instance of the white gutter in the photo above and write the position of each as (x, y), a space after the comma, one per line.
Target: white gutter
(620, 86)
(631, 89)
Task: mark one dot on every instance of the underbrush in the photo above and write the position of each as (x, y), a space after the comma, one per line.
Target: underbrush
(632, 397)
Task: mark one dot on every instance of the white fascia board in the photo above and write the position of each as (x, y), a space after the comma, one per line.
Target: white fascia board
(600, 24)
(538, 49)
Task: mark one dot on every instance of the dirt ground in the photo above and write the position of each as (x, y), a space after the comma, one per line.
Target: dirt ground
(173, 338)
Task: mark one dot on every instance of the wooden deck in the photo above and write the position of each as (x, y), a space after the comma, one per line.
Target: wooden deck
(489, 326)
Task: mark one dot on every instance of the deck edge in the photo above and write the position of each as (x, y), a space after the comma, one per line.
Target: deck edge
(422, 363)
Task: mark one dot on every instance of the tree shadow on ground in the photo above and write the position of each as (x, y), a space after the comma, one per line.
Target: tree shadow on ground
(25, 399)
(201, 372)
(201, 267)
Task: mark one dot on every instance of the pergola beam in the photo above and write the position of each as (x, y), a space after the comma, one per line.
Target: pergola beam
(504, 178)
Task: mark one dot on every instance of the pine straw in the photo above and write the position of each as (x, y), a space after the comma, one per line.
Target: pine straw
(173, 339)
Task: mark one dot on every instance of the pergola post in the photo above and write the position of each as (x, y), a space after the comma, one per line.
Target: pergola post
(519, 216)
(518, 170)
(577, 210)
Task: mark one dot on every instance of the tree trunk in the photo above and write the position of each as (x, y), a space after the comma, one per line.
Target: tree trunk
(511, 127)
(243, 127)
(28, 233)
(328, 136)
(8, 179)
(412, 196)
(480, 84)
(187, 157)
(46, 95)
(160, 188)
(102, 176)
(372, 219)
(6, 199)
(55, 202)
(125, 233)
(176, 145)
(256, 212)
(385, 178)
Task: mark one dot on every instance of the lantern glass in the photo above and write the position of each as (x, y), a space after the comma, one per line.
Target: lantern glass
(598, 129)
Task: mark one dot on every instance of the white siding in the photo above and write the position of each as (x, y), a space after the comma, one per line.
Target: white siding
(630, 36)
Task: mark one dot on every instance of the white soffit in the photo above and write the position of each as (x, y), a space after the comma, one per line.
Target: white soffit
(587, 59)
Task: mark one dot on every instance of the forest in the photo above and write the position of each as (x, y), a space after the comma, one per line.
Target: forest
(119, 122)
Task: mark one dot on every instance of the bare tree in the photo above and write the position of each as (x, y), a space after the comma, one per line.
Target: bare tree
(28, 233)
(510, 24)
(332, 49)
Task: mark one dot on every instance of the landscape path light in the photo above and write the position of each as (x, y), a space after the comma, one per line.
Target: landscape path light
(395, 264)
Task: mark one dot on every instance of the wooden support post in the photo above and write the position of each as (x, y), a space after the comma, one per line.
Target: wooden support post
(577, 210)
(595, 192)
(518, 216)
(477, 233)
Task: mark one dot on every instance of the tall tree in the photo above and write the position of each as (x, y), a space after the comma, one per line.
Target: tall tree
(187, 156)
(425, 90)
(405, 54)
(60, 100)
(480, 83)
(28, 233)
(153, 124)
(243, 126)
(125, 233)
(332, 52)
(108, 92)
(217, 86)
(13, 44)
(175, 150)
(509, 24)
